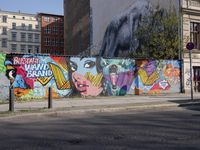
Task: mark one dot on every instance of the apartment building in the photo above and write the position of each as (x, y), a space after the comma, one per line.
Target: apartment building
(191, 32)
(19, 32)
(52, 33)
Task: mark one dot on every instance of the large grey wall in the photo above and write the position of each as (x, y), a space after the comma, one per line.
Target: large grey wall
(103, 11)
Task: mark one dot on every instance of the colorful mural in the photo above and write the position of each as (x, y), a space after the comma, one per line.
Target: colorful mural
(118, 75)
(155, 77)
(86, 76)
(32, 75)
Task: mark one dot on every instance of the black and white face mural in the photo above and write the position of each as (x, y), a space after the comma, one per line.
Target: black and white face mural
(115, 21)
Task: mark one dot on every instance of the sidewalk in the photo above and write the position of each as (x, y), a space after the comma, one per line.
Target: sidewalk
(100, 104)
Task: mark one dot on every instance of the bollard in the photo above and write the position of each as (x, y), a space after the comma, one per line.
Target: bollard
(11, 99)
(50, 98)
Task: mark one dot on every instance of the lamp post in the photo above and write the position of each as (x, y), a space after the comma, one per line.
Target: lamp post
(190, 46)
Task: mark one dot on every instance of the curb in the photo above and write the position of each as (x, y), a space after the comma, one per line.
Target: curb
(92, 109)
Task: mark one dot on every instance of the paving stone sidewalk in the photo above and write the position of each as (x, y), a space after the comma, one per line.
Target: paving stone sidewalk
(103, 103)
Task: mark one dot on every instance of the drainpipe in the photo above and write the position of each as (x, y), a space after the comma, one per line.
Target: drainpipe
(182, 86)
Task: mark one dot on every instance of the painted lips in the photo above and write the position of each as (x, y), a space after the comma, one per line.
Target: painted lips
(82, 87)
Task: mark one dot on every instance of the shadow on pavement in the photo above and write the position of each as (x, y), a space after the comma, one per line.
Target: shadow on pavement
(188, 104)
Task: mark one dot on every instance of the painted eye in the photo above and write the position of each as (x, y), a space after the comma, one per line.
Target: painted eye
(73, 66)
(89, 64)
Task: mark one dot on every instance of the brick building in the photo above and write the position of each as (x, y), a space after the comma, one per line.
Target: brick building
(52, 33)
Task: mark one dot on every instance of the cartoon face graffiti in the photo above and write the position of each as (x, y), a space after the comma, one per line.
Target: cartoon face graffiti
(85, 76)
(118, 74)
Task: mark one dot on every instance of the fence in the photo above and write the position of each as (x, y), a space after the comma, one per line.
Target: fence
(31, 75)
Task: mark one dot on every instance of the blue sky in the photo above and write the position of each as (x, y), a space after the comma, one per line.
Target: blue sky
(33, 6)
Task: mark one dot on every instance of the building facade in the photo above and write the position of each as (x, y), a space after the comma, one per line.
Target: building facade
(52, 33)
(86, 22)
(191, 33)
(19, 32)
(77, 26)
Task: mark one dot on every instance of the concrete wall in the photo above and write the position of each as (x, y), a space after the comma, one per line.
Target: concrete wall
(32, 75)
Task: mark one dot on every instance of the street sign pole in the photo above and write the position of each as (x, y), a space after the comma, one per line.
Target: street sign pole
(191, 83)
(190, 46)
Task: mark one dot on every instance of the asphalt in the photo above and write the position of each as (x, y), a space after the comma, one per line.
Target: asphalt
(98, 104)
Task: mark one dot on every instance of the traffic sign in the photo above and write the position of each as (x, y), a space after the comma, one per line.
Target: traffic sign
(190, 46)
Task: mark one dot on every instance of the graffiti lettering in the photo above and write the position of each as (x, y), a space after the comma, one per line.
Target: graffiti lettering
(39, 73)
(23, 61)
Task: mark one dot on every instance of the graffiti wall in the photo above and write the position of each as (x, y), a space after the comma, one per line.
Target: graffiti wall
(32, 75)
(155, 77)
(118, 75)
(86, 77)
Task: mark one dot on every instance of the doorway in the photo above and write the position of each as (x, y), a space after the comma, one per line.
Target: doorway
(196, 78)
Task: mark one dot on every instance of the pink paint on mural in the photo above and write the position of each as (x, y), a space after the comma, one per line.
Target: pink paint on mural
(84, 86)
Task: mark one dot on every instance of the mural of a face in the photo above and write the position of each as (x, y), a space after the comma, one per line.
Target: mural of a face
(118, 74)
(85, 76)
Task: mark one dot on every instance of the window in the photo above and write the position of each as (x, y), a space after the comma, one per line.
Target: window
(53, 41)
(47, 29)
(23, 18)
(4, 31)
(46, 19)
(195, 34)
(13, 25)
(14, 17)
(30, 27)
(37, 37)
(23, 48)
(4, 19)
(14, 36)
(47, 41)
(4, 43)
(30, 48)
(36, 27)
(23, 37)
(30, 37)
(195, 3)
(37, 49)
(57, 42)
(55, 29)
(23, 26)
(13, 47)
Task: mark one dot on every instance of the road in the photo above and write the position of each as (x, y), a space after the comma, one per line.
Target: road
(168, 128)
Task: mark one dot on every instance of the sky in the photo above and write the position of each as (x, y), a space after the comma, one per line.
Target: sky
(33, 6)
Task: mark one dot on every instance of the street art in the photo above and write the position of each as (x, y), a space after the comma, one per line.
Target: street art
(85, 76)
(155, 77)
(119, 34)
(32, 75)
(4, 83)
(118, 75)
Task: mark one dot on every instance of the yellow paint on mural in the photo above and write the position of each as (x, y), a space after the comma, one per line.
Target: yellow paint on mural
(44, 80)
(148, 80)
(61, 82)
(95, 80)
